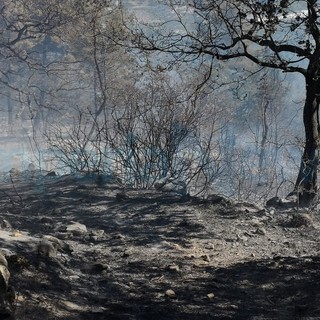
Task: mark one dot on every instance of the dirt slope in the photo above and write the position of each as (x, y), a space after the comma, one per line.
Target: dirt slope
(76, 251)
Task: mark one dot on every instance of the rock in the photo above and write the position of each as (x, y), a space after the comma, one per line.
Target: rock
(3, 260)
(97, 232)
(200, 264)
(159, 183)
(77, 229)
(170, 184)
(119, 236)
(206, 257)
(7, 293)
(63, 235)
(71, 306)
(256, 223)
(179, 187)
(58, 243)
(127, 253)
(6, 252)
(210, 296)
(173, 267)
(171, 294)
(261, 231)
(4, 279)
(5, 224)
(94, 238)
(242, 238)
(46, 249)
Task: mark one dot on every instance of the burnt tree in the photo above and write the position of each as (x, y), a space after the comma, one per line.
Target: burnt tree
(284, 35)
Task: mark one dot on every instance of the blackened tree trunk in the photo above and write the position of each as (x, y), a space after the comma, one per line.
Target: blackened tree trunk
(306, 184)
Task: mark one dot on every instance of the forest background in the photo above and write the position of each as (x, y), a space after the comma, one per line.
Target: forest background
(73, 100)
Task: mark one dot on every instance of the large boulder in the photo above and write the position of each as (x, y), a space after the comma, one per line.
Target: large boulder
(7, 293)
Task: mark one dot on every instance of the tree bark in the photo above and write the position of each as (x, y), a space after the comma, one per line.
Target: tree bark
(306, 183)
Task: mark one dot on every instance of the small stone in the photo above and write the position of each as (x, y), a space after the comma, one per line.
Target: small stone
(206, 257)
(119, 236)
(16, 234)
(159, 183)
(173, 267)
(210, 296)
(5, 224)
(127, 253)
(59, 244)
(77, 229)
(63, 235)
(177, 247)
(256, 223)
(200, 264)
(97, 232)
(46, 249)
(179, 187)
(94, 238)
(171, 294)
(242, 238)
(71, 306)
(261, 231)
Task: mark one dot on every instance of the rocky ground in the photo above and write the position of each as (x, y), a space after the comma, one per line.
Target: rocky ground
(79, 251)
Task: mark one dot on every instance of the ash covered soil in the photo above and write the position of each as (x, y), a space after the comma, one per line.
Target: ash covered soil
(79, 251)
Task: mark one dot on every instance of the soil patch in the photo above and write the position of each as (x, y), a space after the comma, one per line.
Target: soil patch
(79, 251)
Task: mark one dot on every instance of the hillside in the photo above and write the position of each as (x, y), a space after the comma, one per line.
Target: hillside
(79, 251)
